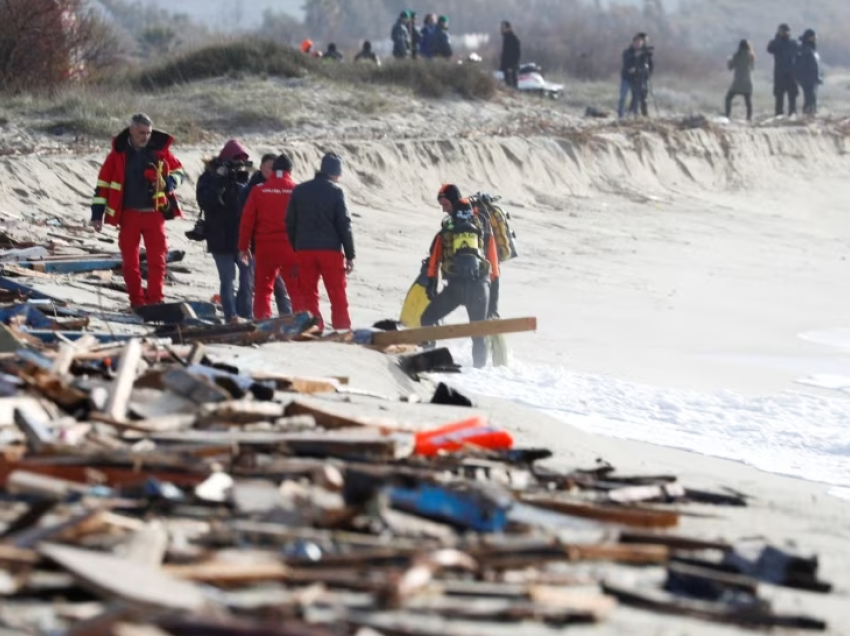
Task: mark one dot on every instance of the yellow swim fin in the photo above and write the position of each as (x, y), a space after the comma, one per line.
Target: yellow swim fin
(416, 301)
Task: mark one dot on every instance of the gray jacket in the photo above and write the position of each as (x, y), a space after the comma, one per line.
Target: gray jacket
(742, 63)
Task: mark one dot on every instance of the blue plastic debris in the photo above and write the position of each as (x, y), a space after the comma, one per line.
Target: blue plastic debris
(465, 510)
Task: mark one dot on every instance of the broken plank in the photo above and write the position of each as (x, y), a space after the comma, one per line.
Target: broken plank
(448, 332)
(224, 573)
(148, 545)
(70, 266)
(674, 542)
(637, 517)
(754, 617)
(115, 578)
(122, 386)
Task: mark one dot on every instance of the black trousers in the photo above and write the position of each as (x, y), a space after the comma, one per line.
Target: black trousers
(748, 100)
(474, 295)
(785, 86)
(511, 76)
(640, 93)
(810, 99)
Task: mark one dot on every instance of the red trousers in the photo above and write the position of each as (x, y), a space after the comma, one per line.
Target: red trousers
(149, 226)
(271, 260)
(330, 266)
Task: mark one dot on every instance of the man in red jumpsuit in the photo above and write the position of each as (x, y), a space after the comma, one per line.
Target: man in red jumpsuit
(264, 223)
(135, 192)
(319, 227)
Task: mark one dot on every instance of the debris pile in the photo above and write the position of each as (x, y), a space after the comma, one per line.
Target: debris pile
(192, 497)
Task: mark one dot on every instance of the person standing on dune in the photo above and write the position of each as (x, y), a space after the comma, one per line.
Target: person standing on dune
(135, 192)
(742, 63)
(809, 71)
(784, 51)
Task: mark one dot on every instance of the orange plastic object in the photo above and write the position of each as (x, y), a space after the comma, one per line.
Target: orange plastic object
(216, 299)
(473, 431)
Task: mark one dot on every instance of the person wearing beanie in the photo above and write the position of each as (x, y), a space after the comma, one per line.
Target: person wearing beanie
(464, 254)
(218, 193)
(400, 36)
(319, 227)
(784, 50)
(442, 44)
(263, 224)
(809, 71)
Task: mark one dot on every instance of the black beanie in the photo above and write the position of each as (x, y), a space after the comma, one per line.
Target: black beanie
(450, 192)
(282, 164)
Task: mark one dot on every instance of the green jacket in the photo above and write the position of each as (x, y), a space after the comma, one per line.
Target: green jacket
(743, 66)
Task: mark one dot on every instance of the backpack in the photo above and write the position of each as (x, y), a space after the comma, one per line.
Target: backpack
(500, 224)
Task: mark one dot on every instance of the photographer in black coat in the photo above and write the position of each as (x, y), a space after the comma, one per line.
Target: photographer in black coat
(644, 67)
(784, 50)
(218, 195)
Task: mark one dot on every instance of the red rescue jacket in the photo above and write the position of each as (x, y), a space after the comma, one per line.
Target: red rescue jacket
(264, 215)
(110, 181)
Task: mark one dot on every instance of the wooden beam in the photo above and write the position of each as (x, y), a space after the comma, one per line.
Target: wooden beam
(449, 332)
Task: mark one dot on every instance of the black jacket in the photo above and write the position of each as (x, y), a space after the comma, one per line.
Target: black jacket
(317, 217)
(442, 45)
(784, 52)
(808, 69)
(218, 197)
(511, 51)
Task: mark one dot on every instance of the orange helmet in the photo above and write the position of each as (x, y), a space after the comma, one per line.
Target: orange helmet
(306, 46)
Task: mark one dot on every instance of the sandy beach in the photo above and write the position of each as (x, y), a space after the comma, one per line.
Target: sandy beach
(677, 257)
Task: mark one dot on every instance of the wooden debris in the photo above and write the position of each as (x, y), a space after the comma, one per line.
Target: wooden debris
(449, 332)
(138, 585)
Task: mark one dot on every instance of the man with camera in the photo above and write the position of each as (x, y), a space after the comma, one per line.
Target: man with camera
(784, 50)
(135, 192)
(634, 78)
(645, 67)
(218, 193)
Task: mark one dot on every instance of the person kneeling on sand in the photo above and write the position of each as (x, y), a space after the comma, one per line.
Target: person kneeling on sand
(464, 254)
(742, 63)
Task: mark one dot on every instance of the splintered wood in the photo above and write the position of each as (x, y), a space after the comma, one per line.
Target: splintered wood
(168, 496)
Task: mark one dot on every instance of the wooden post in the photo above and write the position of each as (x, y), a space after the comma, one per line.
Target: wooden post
(448, 332)
(119, 396)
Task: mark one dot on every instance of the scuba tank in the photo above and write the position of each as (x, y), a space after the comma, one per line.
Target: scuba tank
(464, 241)
(500, 223)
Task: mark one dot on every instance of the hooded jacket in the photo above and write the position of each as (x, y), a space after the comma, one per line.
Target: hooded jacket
(742, 64)
(264, 217)
(107, 204)
(219, 197)
(809, 72)
(318, 218)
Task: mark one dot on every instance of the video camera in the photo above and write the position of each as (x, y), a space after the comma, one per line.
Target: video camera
(233, 170)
